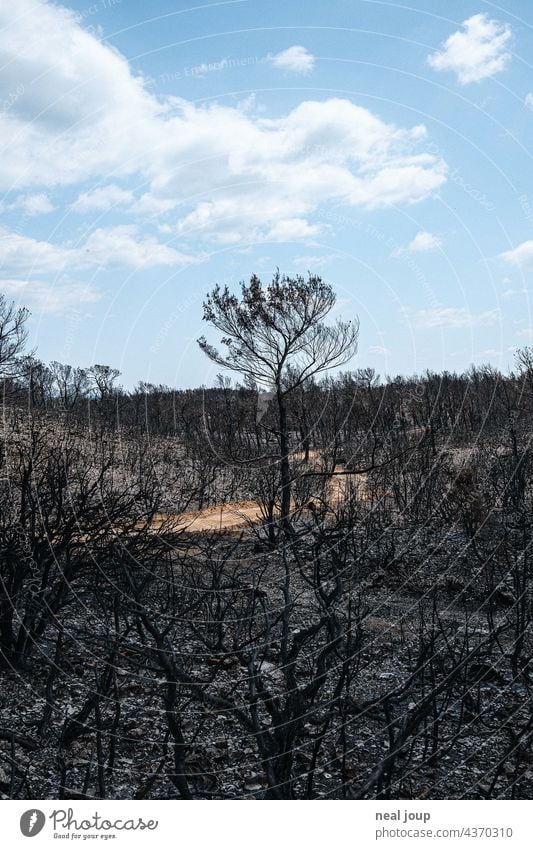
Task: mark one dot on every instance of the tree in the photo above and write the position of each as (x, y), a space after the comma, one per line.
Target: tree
(70, 383)
(102, 379)
(13, 336)
(37, 380)
(276, 335)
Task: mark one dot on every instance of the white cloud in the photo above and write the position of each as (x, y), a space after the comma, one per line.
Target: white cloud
(290, 229)
(22, 254)
(526, 333)
(529, 100)
(378, 349)
(112, 247)
(512, 293)
(37, 204)
(521, 256)
(81, 111)
(56, 297)
(310, 262)
(103, 198)
(476, 52)
(254, 173)
(455, 317)
(422, 242)
(122, 246)
(233, 174)
(295, 58)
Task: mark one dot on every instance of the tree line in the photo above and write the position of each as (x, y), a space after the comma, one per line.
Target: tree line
(370, 637)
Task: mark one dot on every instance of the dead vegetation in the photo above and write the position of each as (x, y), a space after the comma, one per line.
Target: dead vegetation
(169, 630)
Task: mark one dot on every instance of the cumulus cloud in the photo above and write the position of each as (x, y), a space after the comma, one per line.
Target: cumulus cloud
(21, 255)
(422, 242)
(123, 247)
(103, 198)
(513, 293)
(295, 58)
(50, 297)
(80, 108)
(311, 262)
(529, 100)
(455, 317)
(111, 247)
(84, 114)
(475, 52)
(290, 229)
(527, 333)
(36, 204)
(521, 256)
(253, 174)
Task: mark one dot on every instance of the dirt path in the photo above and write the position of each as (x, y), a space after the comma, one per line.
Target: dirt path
(239, 514)
(236, 514)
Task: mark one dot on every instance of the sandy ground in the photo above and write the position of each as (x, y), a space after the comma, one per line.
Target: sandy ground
(221, 517)
(236, 515)
(239, 514)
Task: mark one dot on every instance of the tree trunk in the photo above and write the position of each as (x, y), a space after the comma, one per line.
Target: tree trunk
(285, 469)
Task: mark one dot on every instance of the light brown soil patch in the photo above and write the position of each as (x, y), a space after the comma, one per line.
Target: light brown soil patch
(221, 517)
(239, 514)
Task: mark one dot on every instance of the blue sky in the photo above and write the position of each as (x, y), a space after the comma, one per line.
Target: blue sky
(149, 151)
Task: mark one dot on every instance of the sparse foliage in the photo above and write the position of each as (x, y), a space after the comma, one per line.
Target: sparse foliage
(160, 639)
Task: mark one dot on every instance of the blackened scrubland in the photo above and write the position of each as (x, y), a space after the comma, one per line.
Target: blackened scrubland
(369, 637)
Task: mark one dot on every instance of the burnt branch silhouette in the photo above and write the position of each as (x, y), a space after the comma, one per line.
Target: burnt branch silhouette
(330, 599)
